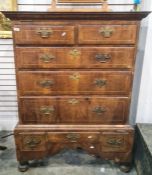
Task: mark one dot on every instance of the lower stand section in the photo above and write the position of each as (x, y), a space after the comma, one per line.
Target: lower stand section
(109, 142)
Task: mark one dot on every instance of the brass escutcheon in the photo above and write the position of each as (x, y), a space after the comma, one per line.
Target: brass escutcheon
(99, 110)
(115, 142)
(47, 110)
(103, 58)
(32, 142)
(75, 76)
(44, 32)
(46, 83)
(72, 137)
(47, 58)
(73, 101)
(75, 53)
(100, 83)
(106, 31)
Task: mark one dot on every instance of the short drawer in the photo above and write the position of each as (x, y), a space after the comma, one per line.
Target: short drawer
(116, 141)
(31, 141)
(47, 34)
(78, 82)
(74, 110)
(78, 57)
(74, 137)
(107, 34)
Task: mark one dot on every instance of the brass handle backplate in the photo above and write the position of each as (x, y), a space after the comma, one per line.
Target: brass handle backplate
(115, 142)
(47, 58)
(46, 83)
(72, 137)
(103, 58)
(106, 31)
(47, 110)
(100, 83)
(44, 33)
(99, 110)
(32, 142)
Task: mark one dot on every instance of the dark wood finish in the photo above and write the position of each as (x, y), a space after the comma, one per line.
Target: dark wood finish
(129, 16)
(76, 110)
(74, 78)
(75, 57)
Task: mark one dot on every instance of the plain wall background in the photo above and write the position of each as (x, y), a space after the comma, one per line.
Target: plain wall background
(141, 107)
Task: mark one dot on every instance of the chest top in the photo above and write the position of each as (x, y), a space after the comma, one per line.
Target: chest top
(133, 16)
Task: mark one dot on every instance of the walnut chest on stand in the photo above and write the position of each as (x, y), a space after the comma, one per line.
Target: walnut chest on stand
(74, 80)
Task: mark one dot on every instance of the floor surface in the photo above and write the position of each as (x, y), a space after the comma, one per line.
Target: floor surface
(67, 162)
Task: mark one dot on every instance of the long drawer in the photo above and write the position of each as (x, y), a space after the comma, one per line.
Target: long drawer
(74, 82)
(75, 57)
(74, 110)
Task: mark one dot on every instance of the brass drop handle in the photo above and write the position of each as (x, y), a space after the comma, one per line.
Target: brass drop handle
(47, 58)
(99, 110)
(115, 142)
(72, 137)
(46, 83)
(47, 110)
(44, 33)
(32, 142)
(103, 58)
(100, 83)
(106, 31)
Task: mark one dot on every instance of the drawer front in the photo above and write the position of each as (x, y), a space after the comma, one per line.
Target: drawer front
(69, 82)
(36, 34)
(73, 137)
(40, 111)
(88, 57)
(77, 110)
(31, 141)
(107, 34)
(116, 141)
